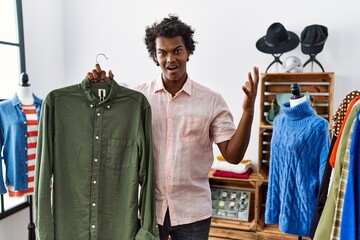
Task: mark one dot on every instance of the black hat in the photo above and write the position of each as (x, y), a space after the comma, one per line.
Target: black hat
(313, 38)
(277, 40)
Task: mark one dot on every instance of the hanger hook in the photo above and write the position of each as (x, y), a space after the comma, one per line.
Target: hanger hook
(100, 54)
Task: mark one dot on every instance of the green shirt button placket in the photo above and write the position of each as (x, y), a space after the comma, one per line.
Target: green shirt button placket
(95, 172)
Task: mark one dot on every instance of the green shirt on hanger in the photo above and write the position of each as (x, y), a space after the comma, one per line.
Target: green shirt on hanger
(94, 151)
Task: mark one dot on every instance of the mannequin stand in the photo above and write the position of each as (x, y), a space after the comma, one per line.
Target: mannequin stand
(311, 60)
(276, 60)
(31, 225)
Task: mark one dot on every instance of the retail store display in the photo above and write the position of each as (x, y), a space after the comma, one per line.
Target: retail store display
(228, 203)
(18, 138)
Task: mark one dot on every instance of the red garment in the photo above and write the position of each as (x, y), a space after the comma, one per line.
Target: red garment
(219, 173)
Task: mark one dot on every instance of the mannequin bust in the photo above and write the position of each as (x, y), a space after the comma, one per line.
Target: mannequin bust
(297, 97)
(24, 91)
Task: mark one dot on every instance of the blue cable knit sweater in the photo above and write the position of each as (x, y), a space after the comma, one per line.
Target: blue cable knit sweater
(299, 147)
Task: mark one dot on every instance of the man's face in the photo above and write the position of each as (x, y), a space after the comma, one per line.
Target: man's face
(172, 55)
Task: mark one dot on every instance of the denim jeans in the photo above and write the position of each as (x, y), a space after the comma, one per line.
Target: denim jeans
(192, 231)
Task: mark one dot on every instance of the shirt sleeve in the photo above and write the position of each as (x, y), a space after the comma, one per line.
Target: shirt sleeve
(222, 127)
(2, 184)
(43, 172)
(148, 230)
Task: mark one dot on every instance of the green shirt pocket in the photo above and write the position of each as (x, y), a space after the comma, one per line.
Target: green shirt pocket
(118, 153)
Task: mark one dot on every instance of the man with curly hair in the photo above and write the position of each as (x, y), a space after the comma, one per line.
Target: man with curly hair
(187, 119)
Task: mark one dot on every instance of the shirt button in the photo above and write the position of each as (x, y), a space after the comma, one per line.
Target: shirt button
(97, 137)
(94, 204)
(24, 122)
(93, 226)
(98, 114)
(25, 148)
(108, 106)
(95, 160)
(91, 105)
(94, 182)
(25, 135)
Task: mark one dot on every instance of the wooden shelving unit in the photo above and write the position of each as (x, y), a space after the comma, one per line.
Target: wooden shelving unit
(320, 86)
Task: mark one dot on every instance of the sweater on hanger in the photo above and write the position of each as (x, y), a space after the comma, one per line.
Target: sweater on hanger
(299, 148)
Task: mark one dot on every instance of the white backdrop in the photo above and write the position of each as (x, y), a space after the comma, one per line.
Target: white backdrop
(64, 37)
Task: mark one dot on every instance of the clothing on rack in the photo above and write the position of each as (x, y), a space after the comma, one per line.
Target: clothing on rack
(96, 153)
(14, 142)
(330, 220)
(350, 224)
(338, 120)
(332, 159)
(323, 192)
(339, 116)
(299, 148)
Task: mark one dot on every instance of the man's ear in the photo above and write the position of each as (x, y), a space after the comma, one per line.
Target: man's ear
(155, 59)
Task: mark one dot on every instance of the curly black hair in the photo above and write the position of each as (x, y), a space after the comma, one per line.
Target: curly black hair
(169, 27)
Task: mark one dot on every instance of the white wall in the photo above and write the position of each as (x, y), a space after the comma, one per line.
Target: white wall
(64, 44)
(64, 37)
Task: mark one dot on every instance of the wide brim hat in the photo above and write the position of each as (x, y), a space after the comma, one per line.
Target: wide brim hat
(277, 40)
(313, 38)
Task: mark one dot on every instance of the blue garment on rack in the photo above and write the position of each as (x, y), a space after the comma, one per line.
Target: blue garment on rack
(350, 222)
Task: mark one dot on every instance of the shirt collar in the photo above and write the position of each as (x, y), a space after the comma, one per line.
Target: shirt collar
(90, 96)
(16, 101)
(159, 85)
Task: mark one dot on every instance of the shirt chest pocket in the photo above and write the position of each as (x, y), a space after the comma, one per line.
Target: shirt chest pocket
(192, 128)
(118, 153)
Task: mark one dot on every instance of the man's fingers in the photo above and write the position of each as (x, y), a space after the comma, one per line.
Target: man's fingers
(111, 75)
(90, 76)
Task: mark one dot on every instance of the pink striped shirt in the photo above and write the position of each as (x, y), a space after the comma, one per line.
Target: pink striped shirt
(184, 129)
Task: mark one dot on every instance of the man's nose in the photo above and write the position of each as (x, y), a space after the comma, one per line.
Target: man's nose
(170, 57)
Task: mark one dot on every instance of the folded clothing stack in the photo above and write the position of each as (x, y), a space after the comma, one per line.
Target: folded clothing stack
(225, 169)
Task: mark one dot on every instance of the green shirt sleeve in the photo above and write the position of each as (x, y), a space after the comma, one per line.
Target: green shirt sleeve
(43, 172)
(148, 228)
